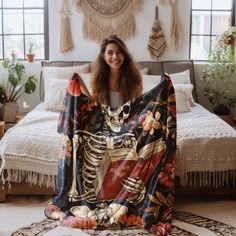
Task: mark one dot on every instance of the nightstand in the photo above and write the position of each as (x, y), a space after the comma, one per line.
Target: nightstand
(2, 129)
(18, 118)
(228, 119)
(234, 124)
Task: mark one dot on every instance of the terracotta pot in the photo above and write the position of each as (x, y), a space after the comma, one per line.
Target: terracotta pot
(10, 111)
(30, 57)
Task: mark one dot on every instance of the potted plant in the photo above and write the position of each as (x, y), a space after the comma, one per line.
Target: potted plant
(30, 56)
(216, 77)
(17, 85)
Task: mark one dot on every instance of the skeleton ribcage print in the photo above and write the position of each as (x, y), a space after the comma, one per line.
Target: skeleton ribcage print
(95, 146)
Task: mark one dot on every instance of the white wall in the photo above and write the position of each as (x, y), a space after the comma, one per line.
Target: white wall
(87, 50)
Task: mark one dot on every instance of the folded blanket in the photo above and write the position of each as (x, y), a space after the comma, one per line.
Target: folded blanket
(116, 166)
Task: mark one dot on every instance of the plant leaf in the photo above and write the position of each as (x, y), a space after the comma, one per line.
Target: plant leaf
(30, 85)
(13, 80)
(5, 63)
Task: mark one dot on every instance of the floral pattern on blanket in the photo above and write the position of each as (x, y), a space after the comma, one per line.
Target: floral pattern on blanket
(116, 167)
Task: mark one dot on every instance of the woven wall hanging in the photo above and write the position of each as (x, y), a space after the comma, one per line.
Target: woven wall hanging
(163, 1)
(156, 43)
(106, 17)
(175, 28)
(66, 42)
(175, 25)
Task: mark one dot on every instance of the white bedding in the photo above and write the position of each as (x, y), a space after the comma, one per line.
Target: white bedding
(30, 149)
(206, 148)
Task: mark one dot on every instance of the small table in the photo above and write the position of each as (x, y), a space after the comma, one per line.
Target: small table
(2, 129)
(19, 117)
(234, 124)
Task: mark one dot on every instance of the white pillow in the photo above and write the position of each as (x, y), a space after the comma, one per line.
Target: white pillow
(183, 78)
(57, 91)
(150, 81)
(54, 99)
(63, 73)
(86, 78)
(183, 96)
(144, 71)
(187, 89)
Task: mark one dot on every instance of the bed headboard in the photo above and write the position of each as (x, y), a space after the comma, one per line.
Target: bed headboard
(155, 68)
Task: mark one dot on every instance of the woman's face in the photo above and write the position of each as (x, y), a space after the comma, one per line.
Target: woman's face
(113, 56)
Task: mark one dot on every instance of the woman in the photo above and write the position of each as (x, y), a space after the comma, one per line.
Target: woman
(117, 162)
(116, 79)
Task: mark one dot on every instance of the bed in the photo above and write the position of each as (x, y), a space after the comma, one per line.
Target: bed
(206, 150)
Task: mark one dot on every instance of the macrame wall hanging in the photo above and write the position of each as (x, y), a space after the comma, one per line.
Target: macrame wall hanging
(163, 1)
(66, 42)
(105, 17)
(175, 29)
(175, 25)
(157, 43)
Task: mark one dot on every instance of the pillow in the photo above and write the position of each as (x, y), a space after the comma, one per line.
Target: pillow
(187, 89)
(86, 78)
(144, 71)
(183, 94)
(63, 73)
(150, 81)
(54, 99)
(57, 91)
(183, 78)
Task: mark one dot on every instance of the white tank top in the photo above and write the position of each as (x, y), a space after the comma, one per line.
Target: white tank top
(115, 99)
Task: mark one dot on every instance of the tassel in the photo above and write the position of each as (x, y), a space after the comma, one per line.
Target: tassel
(175, 25)
(66, 42)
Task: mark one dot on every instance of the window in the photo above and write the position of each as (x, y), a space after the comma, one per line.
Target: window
(209, 18)
(23, 22)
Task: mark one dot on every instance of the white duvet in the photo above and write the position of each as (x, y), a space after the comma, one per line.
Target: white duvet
(206, 148)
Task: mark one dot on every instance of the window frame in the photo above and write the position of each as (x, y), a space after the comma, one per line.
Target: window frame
(233, 23)
(46, 29)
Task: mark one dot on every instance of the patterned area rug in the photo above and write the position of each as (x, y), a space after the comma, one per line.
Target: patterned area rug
(204, 225)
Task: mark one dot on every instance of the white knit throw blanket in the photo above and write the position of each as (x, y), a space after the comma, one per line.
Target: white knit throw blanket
(30, 150)
(206, 149)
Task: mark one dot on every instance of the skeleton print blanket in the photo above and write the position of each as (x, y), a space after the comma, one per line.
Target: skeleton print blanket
(116, 168)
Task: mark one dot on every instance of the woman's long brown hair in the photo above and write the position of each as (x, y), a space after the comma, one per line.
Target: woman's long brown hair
(130, 81)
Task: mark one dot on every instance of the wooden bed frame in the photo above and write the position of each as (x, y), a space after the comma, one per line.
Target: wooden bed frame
(155, 68)
(26, 190)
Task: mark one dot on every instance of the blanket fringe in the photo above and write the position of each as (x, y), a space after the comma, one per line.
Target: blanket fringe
(210, 179)
(30, 177)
